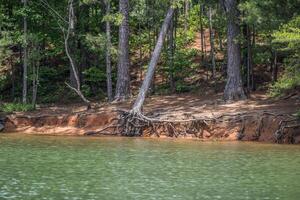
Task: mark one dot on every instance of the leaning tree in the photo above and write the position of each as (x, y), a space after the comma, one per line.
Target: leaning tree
(132, 122)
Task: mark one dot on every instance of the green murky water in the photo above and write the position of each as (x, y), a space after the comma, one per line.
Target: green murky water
(58, 168)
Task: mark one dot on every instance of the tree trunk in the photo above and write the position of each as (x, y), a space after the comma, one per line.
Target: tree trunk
(275, 67)
(252, 63)
(35, 79)
(123, 82)
(202, 32)
(108, 55)
(249, 59)
(220, 41)
(186, 15)
(234, 88)
(171, 55)
(13, 78)
(140, 52)
(153, 62)
(70, 31)
(25, 58)
(73, 46)
(212, 45)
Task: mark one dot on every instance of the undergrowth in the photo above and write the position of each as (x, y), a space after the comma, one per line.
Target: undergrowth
(16, 107)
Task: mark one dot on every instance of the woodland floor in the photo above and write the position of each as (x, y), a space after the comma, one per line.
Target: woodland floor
(185, 106)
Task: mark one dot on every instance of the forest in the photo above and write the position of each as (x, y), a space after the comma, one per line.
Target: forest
(149, 99)
(61, 52)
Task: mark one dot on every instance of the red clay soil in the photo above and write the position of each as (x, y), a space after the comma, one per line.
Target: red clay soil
(76, 120)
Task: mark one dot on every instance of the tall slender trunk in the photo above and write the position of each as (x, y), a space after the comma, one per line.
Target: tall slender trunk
(212, 44)
(186, 15)
(275, 67)
(249, 59)
(25, 56)
(155, 35)
(220, 41)
(171, 55)
(153, 63)
(234, 87)
(204, 37)
(253, 47)
(13, 78)
(108, 55)
(123, 82)
(202, 32)
(35, 79)
(70, 32)
(74, 76)
(140, 52)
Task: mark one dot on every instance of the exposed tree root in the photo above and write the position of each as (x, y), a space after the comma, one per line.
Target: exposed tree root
(280, 133)
(131, 123)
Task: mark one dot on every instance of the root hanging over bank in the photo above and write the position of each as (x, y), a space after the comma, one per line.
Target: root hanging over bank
(135, 124)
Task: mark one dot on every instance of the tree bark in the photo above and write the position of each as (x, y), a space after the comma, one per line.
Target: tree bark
(249, 59)
(35, 79)
(186, 15)
(234, 88)
(252, 62)
(123, 82)
(275, 68)
(25, 58)
(153, 63)
(212, 44)
(171, 55)
(220, 41)
(13, 78)
(70, 30)
(108, 55)
(74, 75)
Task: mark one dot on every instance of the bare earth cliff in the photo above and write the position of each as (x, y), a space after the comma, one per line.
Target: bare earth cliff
(183, 116)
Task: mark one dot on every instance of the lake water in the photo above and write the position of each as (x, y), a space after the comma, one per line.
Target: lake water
(58, 168)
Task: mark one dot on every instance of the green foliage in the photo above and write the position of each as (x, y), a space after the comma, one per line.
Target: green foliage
(289, 81)
(298, 114)
(288, 39)
(45, 42)
(95, 74)
(16, 107)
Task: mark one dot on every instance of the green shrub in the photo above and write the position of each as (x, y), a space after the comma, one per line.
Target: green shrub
(298, 114)
(289, 81)
(287, 40)
(16, 107)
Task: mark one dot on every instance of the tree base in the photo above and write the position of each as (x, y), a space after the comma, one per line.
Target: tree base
(135, 124)
(234, 94)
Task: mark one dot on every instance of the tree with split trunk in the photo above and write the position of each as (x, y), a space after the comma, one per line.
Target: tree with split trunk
(67, 34)
(234, 87)
(123, 76)
(72, 43)
(132, 122)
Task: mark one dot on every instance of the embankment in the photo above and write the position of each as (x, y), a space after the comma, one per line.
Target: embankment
(262, 127)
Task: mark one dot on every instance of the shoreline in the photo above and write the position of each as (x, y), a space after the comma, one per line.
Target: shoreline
(258, 118)
(254, 129)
